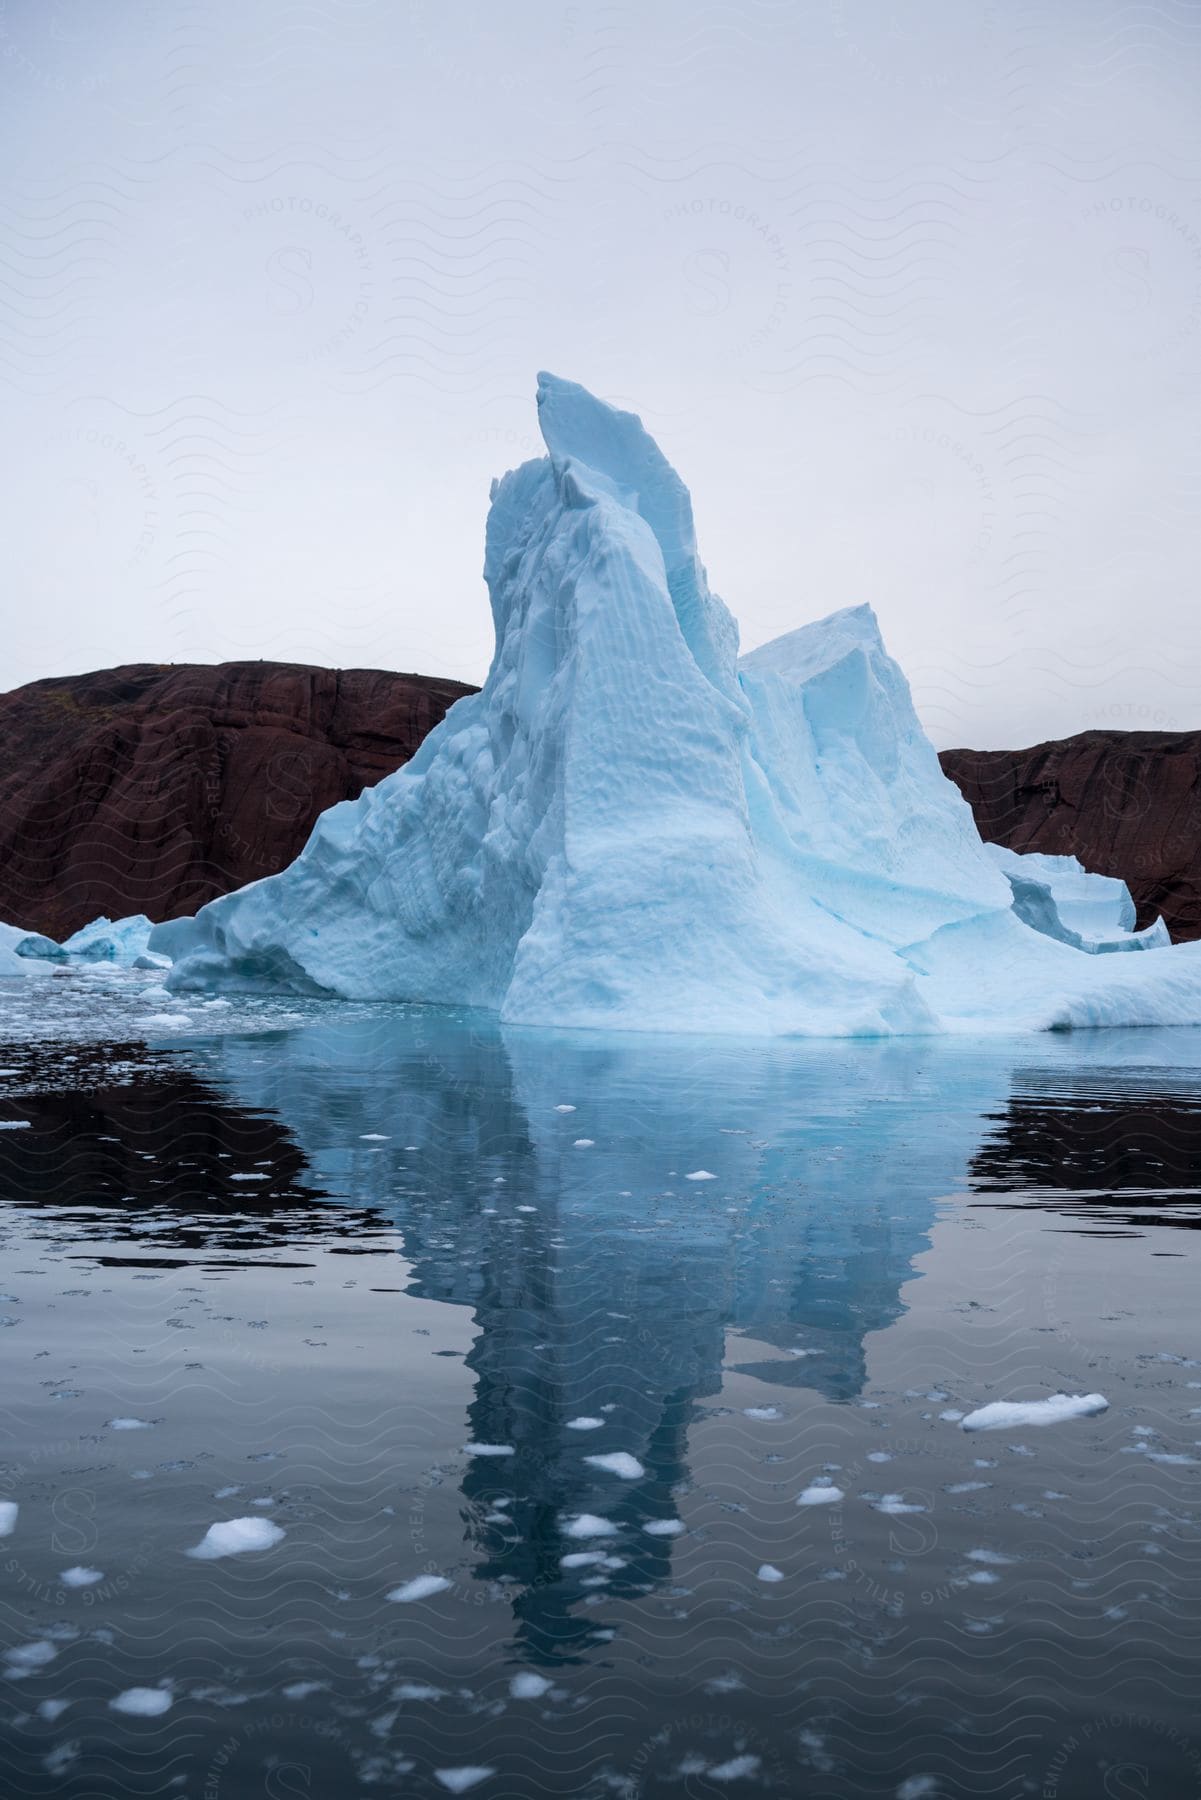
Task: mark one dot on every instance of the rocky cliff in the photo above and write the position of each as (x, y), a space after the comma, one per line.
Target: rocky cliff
(153, 788)
(1127, 803)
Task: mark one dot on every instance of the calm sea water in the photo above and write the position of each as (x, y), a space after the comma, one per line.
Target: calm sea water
(389, 1280)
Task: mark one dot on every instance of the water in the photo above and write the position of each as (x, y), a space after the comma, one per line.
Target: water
(323, 1254)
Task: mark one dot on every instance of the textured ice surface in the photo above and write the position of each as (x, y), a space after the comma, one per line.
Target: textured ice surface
(629, 828)
(1003, 1414)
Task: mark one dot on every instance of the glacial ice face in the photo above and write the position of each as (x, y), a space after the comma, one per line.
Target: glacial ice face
(627, 828)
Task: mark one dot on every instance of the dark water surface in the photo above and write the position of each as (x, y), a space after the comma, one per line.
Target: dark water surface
(314, 1269)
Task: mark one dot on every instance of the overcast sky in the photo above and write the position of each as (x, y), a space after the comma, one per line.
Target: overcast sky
(911, 296)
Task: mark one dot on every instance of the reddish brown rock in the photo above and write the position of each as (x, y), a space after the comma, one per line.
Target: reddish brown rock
(1126, 803)
(153, 788)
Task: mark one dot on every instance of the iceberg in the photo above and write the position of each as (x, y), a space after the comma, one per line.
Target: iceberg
(628, 828)
(119, 941)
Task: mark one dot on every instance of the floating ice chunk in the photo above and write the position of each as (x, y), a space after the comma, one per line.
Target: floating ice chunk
(232, 1537)
(459, 1780)
(565, 1109)
(8, 1517)
(769, 1572)
(663, 1527)
(301, 1690)
(489, 1450)
(143, 1702)
(762, 1412)
(701, 1175)
(528, 1686)
(988, 1556)
(1000, 1415)
(52, 1709)
(583, 1559)
(374, 1137)
(587, 1525)
(23, 1659)
(583, 1143)
(422, 1587)
(584, 1423)
(79, 1577)
(618, 1462)
(738, 1768)
(879, 1456)
(896, 1504)
(129, 1424)
(417, 1690)
(820, 1493)
(918, 1787)
(15, 1124)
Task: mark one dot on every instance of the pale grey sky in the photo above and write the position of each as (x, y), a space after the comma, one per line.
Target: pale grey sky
(911, 296)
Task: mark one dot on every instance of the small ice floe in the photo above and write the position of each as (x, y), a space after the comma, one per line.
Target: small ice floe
(618, 1462)
(129, 1424)
(1056, 1410)
(79, 1577)
(701, 1175)
(301, 1690)
(896, 1504)
(142, 1703)
(989, 1556)
(663, 1527)
(820, 1493)
(422, 1587)
(762, 1412)
(565, 1109)
(15, 1124)
(738, 1768)
(489, 1450)
(584, 1144)
(417, 1690)
(918, 1787)
(768, 1572)
(951, 1414)
(250, 1176)
(879, 1456)
(162, 1022)
(374, 1137)
(457, 1781)
(587, 1525)
(232, 1537)
(24, 1659)
(583, 1559)
(528, 1686)
(8, 1517)
(52, 1709)
(584, 1423)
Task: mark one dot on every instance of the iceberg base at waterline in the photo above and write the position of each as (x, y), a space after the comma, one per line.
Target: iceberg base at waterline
(628, 828)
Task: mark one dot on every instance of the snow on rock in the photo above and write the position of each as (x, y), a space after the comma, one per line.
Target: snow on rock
(629, 828)
(1001, 1415)
(232, 1537)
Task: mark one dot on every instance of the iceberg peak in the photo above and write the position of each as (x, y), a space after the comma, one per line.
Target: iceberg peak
(627, 828)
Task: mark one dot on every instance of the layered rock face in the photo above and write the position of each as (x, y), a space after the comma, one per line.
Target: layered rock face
(154, 788)
(1127, 803)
